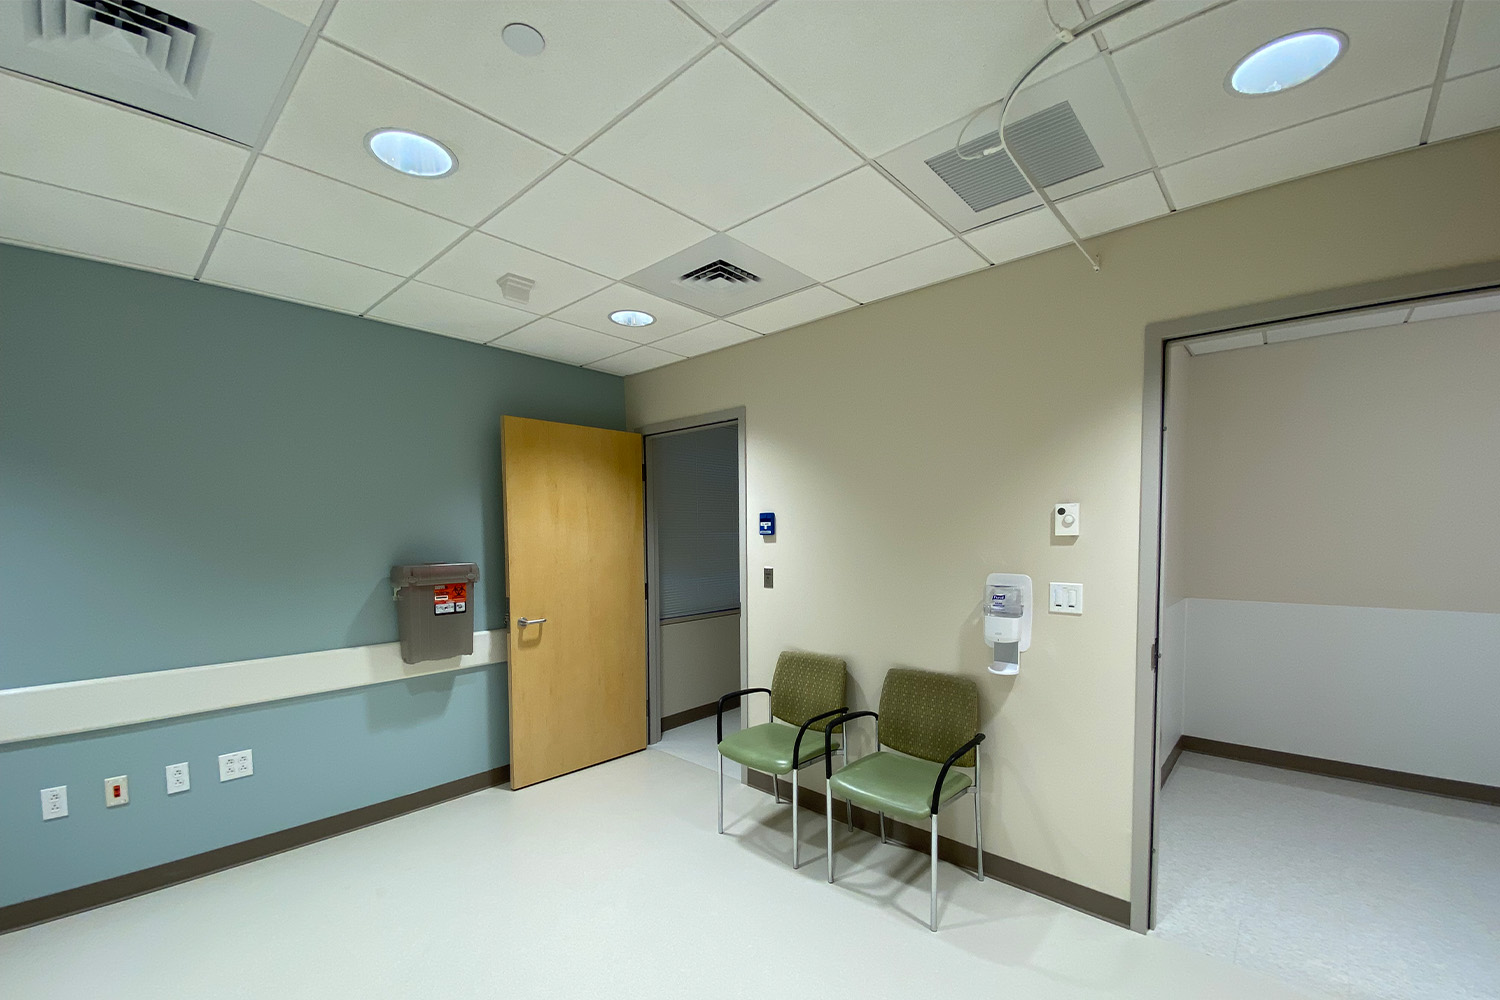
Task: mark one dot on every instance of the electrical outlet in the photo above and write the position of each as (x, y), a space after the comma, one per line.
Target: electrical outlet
(55, 802)
(235, 765)
(117, 790)
(177, 778)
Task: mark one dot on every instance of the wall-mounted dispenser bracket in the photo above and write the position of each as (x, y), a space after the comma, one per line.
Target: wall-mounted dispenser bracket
(1007, 619)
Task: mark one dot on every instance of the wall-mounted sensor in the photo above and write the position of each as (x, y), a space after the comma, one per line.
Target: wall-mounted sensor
(1065, 519)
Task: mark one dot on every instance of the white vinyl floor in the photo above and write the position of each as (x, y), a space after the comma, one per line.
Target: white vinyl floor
(697, 742)
(608, 883)
(1351, 890)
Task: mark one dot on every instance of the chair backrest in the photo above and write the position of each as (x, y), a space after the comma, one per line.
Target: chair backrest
(928, 714)
(805, 685)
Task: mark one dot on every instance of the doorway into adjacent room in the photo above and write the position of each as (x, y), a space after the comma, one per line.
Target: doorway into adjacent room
(695, 564)
(1327, 792)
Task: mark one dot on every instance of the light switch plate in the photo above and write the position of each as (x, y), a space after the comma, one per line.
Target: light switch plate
(1065, 519)
(1066, 598)
(55, 802)
(768, 577)
(178, 779)
(117, 790)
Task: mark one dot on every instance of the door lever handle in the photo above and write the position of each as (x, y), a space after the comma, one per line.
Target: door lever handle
(523, 622)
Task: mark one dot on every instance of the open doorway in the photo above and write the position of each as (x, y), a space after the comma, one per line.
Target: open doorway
(695, 565)
(1327, 767)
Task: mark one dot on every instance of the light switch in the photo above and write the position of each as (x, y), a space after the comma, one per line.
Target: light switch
(1066, 598)
(117, 791)
(1065, 519)
(768, 578)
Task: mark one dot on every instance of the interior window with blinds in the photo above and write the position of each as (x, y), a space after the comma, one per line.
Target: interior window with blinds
(694, 485)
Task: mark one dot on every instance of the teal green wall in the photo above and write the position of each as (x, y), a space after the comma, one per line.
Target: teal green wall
(189, 475)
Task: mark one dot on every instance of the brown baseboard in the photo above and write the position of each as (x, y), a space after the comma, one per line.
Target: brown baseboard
(1446, 787)
(87, 897)
(691, 715)
(1172, 758)
(1033, 880)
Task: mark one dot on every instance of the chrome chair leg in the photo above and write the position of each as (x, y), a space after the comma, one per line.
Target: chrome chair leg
(828, 824)
(796, 836)
(776, 789)
(932, 892)
(848, 806)
(721, 793)
(978, 825)
(882, 828)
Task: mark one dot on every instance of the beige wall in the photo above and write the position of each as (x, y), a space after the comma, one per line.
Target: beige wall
(912, 446)
(700, 662)
(1356, 469)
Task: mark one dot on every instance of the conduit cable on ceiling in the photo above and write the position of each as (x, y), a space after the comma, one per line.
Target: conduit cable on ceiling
(1065, 37)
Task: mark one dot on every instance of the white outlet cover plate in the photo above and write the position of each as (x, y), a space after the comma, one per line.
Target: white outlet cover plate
(122, 782)
(1066, 598)
(178, 778)
(239, 764)
(55, 802)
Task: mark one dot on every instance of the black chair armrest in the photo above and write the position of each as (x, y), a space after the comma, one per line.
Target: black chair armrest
(802, 731)
(828, 736)
(937, 789)
(733, 694)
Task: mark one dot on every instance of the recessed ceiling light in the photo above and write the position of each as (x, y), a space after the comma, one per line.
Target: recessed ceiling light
(632, 317)
(411, 153)
(523, 39)
(1286, 62)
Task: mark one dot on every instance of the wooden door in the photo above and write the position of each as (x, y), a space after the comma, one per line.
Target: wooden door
(575, 555)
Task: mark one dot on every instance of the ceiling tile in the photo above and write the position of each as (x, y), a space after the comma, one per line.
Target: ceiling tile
(1153, 17)
(580, 216)
(716, 335)
(53, 217)
(301, 11)
(341, 98)
(1019, 236)
(291, 273)
(844, 226)
(883, 73)
(90, 145)
(551, 338)
(794, 310)
(295, 206)
(639, 360)
(684, 149)
(924, 267)
(437, 310)
(476, 264)
(1304, 149)
(599, 59)
(1115, 206)
(1467, 105)
(593, 313)
(1176, 80)
(1477, 44)
(722, 14)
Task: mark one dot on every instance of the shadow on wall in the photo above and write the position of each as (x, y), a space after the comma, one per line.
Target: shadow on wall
(408, 703)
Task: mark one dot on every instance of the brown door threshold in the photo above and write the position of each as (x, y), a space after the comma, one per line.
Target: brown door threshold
(1446, 787)
(112, 890)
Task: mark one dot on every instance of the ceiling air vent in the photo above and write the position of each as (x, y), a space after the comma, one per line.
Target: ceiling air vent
(1071, 129)
(720, 270)
(1052, 144)
(720, 276)
(137, 38)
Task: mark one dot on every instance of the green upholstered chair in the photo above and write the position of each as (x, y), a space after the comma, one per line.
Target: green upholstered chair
(929, 722)
(806, 691)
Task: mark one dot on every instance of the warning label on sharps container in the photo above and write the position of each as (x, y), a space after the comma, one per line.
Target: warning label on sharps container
(450, 598)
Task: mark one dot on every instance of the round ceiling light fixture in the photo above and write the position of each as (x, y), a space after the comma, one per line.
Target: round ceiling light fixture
(1287, 62)
(523, 39)
(631, 317)
(411, 153)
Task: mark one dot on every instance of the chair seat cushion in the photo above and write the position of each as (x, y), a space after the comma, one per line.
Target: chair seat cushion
(895, 785)
(768, 747)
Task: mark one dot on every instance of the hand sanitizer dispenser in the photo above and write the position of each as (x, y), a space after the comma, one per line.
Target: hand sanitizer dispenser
(1007, 619)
